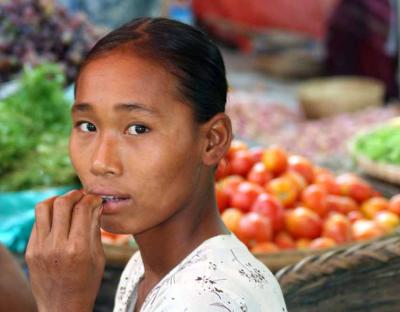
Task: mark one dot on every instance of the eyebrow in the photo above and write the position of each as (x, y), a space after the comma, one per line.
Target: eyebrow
(124, 107)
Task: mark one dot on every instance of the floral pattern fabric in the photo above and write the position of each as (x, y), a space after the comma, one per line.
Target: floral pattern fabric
(219, 275)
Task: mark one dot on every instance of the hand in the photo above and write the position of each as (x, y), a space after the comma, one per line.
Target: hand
(64, 255)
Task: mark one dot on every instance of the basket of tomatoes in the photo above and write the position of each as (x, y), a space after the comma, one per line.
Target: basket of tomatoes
(285, 208)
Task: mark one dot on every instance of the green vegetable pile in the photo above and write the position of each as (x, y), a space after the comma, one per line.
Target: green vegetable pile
(381, 145)
(34, 130)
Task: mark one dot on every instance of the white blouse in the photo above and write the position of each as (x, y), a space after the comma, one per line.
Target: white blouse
(219, 275)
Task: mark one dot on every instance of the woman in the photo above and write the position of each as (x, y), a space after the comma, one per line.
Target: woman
(149, 130)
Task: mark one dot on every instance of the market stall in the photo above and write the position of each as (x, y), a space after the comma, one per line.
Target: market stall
(311, 183)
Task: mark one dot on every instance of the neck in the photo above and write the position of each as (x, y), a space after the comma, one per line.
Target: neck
(165, 246)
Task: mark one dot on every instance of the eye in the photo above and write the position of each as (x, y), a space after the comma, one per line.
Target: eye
(86, 126)
(137, 129)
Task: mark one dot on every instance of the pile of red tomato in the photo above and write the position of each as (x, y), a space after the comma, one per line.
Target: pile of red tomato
(275, 201)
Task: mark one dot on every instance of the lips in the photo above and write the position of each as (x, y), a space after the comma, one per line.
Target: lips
(113, 200)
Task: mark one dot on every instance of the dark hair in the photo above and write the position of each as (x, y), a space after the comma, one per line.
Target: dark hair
(181, 49)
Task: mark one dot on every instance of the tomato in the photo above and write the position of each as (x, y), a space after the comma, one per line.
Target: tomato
(394, 205)
(370, 207)
(354, 187)
(284, 190)
(245, 196)
(366, 229)
(222, 198)
(223, 170)
(270, 207)
(321, 243)
(323, 171)
(387, 220)
(284, 241)
(298, 181)
(338, 227)
(230, 185)
(355, 215)
(236, 146)
(302, 166)
(303, 243)
(341, 204)
(328, 182)
(303, 223)
(314, 197)
(265, 247)
(275, 160)
(231, 218)
(254, 228)
(259, 174)
(256, 154)
(241, 163)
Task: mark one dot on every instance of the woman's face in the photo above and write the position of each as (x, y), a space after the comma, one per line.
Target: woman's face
(134, 142)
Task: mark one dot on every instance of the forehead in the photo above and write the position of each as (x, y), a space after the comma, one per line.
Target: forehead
(120, 77)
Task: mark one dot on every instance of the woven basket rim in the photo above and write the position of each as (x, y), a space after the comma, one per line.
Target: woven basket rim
(315, 267)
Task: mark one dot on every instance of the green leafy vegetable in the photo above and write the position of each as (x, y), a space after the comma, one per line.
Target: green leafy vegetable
(34, 130)
(381, 145)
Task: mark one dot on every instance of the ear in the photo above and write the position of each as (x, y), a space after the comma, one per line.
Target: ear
(218, 136)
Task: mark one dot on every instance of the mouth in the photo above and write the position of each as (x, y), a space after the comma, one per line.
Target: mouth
(112, 198)
(113, 201)
(113, 204)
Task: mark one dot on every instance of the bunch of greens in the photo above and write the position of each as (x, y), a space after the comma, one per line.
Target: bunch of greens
(34, 129)
(381, 144)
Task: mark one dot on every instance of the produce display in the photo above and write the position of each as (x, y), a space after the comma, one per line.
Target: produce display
(33, 32)
(34, 131)
(273, 200)
(267, 121)
(381, 144)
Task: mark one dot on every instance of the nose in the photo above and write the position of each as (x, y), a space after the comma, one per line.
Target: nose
(105, 160)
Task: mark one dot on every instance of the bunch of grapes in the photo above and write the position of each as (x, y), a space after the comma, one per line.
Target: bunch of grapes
(37, 31)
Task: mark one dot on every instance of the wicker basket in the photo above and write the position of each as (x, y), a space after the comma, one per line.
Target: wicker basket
(363, 277)
(329, 96)
(289, 64)
(387, 172)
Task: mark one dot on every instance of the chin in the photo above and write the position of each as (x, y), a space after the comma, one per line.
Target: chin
(115, 225)
(112, 225)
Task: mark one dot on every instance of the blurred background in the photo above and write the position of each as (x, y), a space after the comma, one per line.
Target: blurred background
(316, 77)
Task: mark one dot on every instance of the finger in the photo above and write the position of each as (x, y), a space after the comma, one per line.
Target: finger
(32, 245)
(62, 212)
(83, 213)
(95, 228)
(32, 238)
(43, 217)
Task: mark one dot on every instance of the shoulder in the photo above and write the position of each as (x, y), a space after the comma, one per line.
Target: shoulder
(227, 277)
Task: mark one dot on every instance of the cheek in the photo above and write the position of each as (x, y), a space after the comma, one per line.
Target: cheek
(167, 174)
(77, 154)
